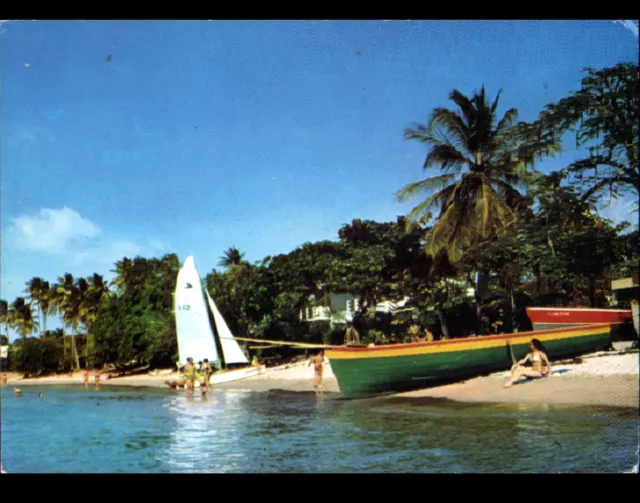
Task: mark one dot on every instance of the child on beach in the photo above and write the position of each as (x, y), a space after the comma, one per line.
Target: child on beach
(540, 365)
(96, 380)
(85, 378)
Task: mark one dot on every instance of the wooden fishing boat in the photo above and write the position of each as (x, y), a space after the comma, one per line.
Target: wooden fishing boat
(544, 318)
(379, 370)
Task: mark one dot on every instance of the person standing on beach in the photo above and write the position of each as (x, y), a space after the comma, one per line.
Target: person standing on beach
(540, 365)
(96, 379)
(318, 368)
(190, 375)
(205, 375)
(351, 336)
(85, 378)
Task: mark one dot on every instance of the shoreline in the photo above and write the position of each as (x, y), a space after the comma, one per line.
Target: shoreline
(608, 379)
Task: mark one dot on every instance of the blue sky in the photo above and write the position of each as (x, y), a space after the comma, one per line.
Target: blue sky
(124, 138)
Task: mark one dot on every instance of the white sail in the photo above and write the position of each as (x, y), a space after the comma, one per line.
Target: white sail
(230, 347)
(195, 336)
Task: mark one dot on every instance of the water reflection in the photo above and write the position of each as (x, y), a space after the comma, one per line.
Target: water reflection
(144, 431)
(204, 437)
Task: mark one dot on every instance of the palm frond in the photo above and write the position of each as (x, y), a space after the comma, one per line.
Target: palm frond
(447, 157)
(430, 184)
(449, 121)
(464, 104)
(507, 121)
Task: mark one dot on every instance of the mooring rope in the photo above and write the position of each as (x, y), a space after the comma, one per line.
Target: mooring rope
(283, 343)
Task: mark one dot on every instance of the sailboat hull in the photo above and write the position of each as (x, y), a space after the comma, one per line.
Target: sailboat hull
(235, 375)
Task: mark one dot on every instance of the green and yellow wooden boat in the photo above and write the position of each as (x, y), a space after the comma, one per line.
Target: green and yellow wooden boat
(379, 370)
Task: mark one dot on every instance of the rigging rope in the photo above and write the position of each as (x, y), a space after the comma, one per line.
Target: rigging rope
(282, 343)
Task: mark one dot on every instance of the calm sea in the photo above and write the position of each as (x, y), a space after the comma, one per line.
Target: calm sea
(145, 430)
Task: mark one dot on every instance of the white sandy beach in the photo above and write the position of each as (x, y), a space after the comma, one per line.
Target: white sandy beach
(601, 379)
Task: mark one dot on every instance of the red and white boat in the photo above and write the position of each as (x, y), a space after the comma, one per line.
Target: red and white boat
(544, 318)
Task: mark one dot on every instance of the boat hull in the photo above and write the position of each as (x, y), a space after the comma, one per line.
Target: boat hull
(553, 317)
(371, 371)
(235, 375)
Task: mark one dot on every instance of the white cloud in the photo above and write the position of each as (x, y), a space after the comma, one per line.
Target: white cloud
(51, 231)
(54, 241)
(629, 24)
(102, 257)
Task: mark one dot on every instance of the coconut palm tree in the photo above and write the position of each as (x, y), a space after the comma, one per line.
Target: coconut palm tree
(40, 293)
(476, 190)
(231, 257)
(97, 290)
(67, 301)
(483, 164)
(123, 269)
(21, 317)
(4, 316)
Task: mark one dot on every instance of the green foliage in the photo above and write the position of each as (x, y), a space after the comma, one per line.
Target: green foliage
(376, 337)
(231, 257)
(482, 162)
(514, 235)
(604, 113)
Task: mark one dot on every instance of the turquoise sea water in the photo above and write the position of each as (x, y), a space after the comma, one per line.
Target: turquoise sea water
(146, 430)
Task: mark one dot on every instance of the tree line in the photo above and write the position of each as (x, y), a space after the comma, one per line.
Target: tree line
(486, 219)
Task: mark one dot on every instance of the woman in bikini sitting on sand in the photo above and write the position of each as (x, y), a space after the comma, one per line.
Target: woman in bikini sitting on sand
(540, 365)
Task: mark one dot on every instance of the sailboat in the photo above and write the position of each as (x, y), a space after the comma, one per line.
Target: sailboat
(202, 330)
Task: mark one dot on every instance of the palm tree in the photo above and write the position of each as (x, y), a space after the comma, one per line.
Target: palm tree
(231, 257)
(97, 290)
(67, 300)
(482, 162)
(123, 269)
(40, 294)
(20, 316)
(4, 315)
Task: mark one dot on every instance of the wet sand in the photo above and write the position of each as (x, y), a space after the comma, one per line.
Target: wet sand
(601, 379)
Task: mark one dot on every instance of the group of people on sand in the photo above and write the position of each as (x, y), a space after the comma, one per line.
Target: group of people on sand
(96, 378)
(191, 374)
